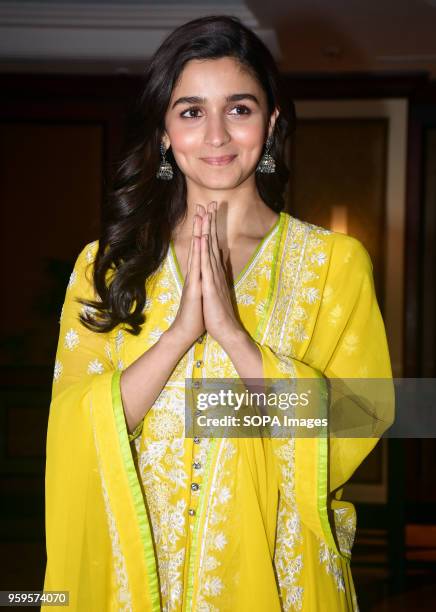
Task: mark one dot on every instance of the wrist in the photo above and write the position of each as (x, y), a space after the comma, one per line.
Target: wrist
(175, 340)
(234, 339)
(245, 354)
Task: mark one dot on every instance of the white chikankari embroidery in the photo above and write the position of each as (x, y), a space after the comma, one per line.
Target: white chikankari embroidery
(331, 563)
(319, 258)
(303, 243)
(215, 540)
(155, 334)
(288, 561)
(300, 333)
(312, 295)
(148, 304)
(171, 313)
(260, 307)
(119, 568)
(57, 370)
(345, 525)
(95, 367)
(163, 298)
(213, 586)
(119, 339)
(108, 351)
(335, 315)
(90, 253)
(327, 294)
(246, 299)
(88, 310)
(73, 279)
(351, 342)
(71, 339)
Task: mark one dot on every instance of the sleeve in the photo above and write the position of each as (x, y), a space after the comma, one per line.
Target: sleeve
(356, 362)
(347, 351)
(81, 353)
(94, 509)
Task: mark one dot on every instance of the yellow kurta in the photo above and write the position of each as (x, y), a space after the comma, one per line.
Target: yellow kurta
(158, 521)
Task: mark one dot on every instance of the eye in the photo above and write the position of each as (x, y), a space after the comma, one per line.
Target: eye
(240, 109)
(191, 113)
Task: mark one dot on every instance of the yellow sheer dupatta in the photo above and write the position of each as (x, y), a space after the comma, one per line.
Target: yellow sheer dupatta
(99, 546)
(348, 341)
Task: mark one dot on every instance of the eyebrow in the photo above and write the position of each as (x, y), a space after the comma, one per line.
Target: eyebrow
(232, 98)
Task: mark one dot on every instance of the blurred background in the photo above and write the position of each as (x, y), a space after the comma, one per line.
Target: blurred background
(363, 162)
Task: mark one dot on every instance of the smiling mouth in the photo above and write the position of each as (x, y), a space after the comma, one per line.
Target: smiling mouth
(218, 161)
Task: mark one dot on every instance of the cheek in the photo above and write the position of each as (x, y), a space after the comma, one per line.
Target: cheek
(250, 137)
(182, 139)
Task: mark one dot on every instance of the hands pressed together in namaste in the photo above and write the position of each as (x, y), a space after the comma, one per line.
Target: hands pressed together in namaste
(206, 303)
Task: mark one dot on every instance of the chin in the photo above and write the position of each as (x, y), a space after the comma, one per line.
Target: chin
(219, 184)
(210, 181)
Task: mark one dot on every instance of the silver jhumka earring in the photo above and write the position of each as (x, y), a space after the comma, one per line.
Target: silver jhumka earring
(165, 171)
(267, 164)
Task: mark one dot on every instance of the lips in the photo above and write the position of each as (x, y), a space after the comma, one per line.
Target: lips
(223, 160)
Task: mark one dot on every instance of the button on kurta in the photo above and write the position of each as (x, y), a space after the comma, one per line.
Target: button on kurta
(191, 512)
(196, 465)
(198, 363)
(196, 384)
(197, 440)
(195, 486)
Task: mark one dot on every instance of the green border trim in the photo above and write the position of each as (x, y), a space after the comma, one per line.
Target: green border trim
(200, 511)
(257, 249)
(322, 480)
(176, 263)
(247, 265)
(136, 492)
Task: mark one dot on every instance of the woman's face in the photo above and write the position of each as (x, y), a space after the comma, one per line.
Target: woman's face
(217, 123)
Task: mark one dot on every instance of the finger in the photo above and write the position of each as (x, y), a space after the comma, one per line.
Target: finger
(214, 237)
(196, 231)
(191, 245)
(208, 225)
(205, 225)
(212, 250)
(201, 210)
(196, 259)
(206, 267)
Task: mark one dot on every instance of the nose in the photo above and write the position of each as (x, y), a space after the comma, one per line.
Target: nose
(216, 133)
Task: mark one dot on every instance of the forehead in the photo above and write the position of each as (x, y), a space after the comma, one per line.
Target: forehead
(216, 77)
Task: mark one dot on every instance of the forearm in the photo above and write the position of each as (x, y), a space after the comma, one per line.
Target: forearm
(144, 379)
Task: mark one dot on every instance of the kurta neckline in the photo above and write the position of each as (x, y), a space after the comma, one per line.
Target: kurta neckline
(251, 260)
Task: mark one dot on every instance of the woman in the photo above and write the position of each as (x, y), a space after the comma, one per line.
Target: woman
(198, 273)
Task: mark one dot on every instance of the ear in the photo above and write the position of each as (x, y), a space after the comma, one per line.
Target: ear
(272, 120)
(166, 141)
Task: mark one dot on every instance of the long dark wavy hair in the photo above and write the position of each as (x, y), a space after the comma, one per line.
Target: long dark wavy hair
(141, 211)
